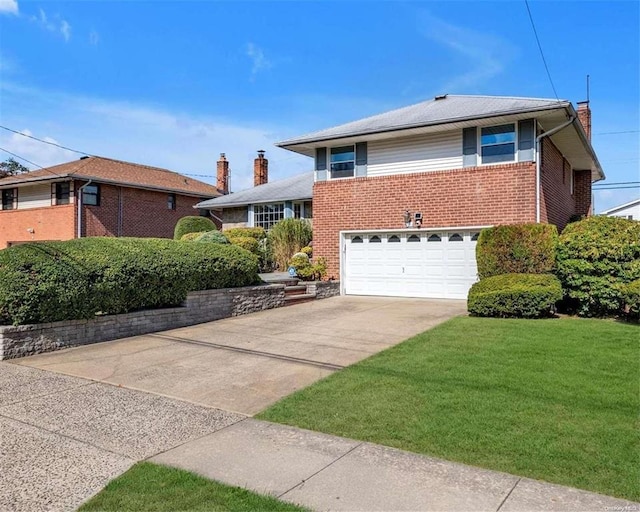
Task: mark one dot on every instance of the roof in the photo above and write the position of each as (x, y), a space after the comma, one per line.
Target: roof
(107, 170)
(621, 207)
(289, 189)
(439, 110)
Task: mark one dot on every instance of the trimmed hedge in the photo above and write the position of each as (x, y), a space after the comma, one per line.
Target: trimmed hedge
(48, 282)
(597, 257)
(517, 249)
(189, 237)
(212, 237)
(192, 224)
(247, 243)
(631, 298)
(515, 295)
(257, 233)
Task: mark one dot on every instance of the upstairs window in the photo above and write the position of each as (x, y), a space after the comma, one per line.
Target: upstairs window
(343, 162)
(171, 202)
(63, 192)
(9, 198)
(498, 144)
(91, 195)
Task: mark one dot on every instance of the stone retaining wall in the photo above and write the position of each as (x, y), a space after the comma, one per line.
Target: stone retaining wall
(199, 307)
(324, 289)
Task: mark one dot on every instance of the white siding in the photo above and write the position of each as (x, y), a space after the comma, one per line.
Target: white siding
(432, 152)
(632, 211)
(34, 196)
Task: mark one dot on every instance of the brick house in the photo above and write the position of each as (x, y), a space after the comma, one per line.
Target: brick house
(264, 204)
(399, 198)
(96, 196)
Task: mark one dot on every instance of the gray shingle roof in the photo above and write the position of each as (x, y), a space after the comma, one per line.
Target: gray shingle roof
(288, 189)
(432, 112)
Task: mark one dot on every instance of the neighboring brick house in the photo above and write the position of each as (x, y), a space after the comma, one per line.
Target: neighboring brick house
(399, 198)
(264, 204)
(116, 199)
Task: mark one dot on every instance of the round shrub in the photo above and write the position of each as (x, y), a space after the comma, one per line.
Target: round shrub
(597, 257)
(48, 282)
(306, 270)
(631, 298)
(192, 224)
(212, 237)
(257, 233)
(308, 250)
(517, 248)
(190, 237)
(246, 242)
(515, 296)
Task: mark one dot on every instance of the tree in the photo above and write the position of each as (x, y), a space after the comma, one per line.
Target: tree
(11, 167)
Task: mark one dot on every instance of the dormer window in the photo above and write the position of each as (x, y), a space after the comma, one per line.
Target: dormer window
(343, 162)
(498, 144)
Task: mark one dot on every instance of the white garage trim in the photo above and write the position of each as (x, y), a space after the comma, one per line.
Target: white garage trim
(395, 266)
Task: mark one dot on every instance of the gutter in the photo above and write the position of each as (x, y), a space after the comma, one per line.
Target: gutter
(539, 164)
(79, 202)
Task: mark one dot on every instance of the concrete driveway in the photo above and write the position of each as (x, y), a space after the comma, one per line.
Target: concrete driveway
(246, 363)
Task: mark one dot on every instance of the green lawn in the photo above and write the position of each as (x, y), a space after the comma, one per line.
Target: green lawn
(555, 400)
(150, 487)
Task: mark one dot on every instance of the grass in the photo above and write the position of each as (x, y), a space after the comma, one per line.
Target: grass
(555, 400)
(147, 487)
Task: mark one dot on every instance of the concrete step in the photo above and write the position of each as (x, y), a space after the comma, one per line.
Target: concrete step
(299, 298)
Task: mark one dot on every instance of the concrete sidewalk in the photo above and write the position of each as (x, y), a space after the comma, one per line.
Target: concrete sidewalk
(326, 472)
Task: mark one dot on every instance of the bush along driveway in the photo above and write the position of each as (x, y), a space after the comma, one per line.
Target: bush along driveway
(554, 400)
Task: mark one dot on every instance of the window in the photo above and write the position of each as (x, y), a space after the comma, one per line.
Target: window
(456, 237)
(414, 238)
(474, 237)
(308, 209)
(9, 198)
(375, 239)
(91, 195)
(266, 215)
(356, 240)
(343, 162)
(434, 238)
(171, 202)
(498, 143)
(63, 192)
(393, 239)
(297, 210)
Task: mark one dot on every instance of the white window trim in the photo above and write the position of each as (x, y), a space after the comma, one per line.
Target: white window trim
(252, 212)
(330, 172)
(515, 149)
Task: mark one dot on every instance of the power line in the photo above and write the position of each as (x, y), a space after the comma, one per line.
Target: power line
(619, 183)
(617, 133)
(21, 158)
(615, 188)
(540, 48)
(43, 141)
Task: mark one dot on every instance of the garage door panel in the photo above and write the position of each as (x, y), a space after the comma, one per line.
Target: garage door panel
(422, 264)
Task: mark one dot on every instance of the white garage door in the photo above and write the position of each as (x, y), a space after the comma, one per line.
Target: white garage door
(434, 264)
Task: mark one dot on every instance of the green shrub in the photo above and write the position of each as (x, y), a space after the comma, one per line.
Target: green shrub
(212, 237)
(517, 249)
(192, 224)
(307, 250)
(307, 270)
(597, 257)
(287, 237)
(515, 295)
(257, 233)
(246, 242)
(190, 237)
(631, 299)
(48, 282)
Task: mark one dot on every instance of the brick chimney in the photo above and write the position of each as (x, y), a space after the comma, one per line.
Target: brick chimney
(260, 169)
(584, 116)
(223, 175)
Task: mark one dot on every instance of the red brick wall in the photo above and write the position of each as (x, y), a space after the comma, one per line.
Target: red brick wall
(557, 203)
(48, 223)
(475, 196)
(582, 192)
(144, 213)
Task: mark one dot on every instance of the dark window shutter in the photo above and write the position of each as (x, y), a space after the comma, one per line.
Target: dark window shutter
(321, 159)
(526, 140)
(361, 153)
(470, 147)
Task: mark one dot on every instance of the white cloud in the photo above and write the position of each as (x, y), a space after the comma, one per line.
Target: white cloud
(8, 7)
(56, 25)
(94, 38)
(260, 62)
(487, 55)
(182, 142)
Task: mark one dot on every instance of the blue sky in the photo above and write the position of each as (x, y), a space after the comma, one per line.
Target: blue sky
(174, 84)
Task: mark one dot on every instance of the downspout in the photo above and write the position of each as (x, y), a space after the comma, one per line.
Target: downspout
(539, 164)
(79, 202)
